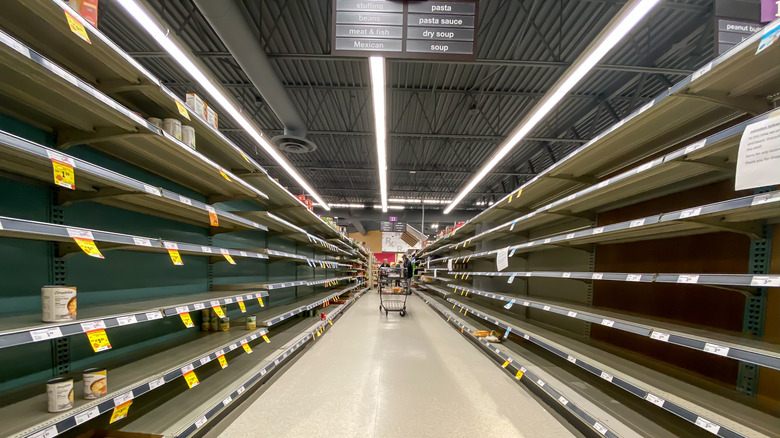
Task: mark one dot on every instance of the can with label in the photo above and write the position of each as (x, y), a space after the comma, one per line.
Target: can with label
(251, 322)
(58, 303)
(188, 135)
(60, 394)
(224, 324)
(173, 127)
(158, 123)
(205, 326)
(95, 383)
(215, 323)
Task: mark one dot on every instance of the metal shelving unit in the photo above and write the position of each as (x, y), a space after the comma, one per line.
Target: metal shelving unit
(278, 285)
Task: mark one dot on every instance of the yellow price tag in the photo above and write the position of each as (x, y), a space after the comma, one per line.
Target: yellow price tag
(182, 109)
(224, 175)
(519, 375)
(260, 300)
(505, 364)
(519, 192)
(186, 319)
(98, 339)
(453, 306)
(89, 247)
(228, 258)
(76, 27)
(218, 310)
(265, 338)
(330, 322)
(222, 361)
(213, 218)
(120, 412)
(191, 378)
(247, 348)
(173, 251)
(510, 198)
(245, 157)
(242, 306)
(64, 176)
(467, 260)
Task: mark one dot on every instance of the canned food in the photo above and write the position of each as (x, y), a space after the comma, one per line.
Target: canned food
(251, 322)
(205, 326)
(188, 136)
(224, 324)
(60, 394)
(173, 127)
(214, 323)
(95, 383)
(158, 123)
(58, 303)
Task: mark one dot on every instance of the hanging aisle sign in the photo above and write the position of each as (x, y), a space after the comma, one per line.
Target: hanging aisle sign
(399, 29)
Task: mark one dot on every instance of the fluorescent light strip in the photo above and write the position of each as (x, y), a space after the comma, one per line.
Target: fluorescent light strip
(377, 67)
(573, 77)
(161, 37)
(389, 207)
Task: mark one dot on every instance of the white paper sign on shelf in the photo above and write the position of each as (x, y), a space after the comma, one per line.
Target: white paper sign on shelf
(659, 336)
(152, 190)
(707, 425)
(765, 198)
(49, 432)
(716, 349)
(765, 280)
(140, 241)
(154, 384)
(636, 223)
(449, 264)
(502, 259)
(691, 212)
(688, 278)
(47, 333)
(126, 320)
(658, 401)
(87, 415)
(759, 154)
(154, 315)
(597, 276)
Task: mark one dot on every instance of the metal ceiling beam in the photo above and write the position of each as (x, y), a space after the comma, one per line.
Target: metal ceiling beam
(422, 135)
(370, 168)
(479, 62)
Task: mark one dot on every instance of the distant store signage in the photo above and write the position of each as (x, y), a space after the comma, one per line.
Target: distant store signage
(400, 227)
(405, 29)
(770, 10)
(732, 32)
(386, 226)
(393, 218)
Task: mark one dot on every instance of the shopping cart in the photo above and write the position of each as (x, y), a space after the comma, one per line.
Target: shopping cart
(390, 301)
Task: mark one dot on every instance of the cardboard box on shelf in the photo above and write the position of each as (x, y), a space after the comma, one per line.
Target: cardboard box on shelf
(197, 105)
(87, 9)
(212, 118)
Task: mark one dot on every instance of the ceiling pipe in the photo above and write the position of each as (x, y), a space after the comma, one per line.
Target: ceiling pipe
(229, 21)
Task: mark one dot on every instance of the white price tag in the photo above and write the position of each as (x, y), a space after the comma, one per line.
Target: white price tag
(227, 401)
(228, 300)
(240, 389)
(154, 315)
(82, 234)
(87, 415)
(707, 425)
(152, 190)
(571, 359)
(688, 279)
(572, 314)
(214, 303)
(154, 384)
(186, 369)
(93, 325)
(199, 306)
(636, 223)
(205, 360)
(171, 245)
(566, 274)
(597, 276)
(602, 430)
(607, 322)
(140, 241)
(698, 73)
(716, 349)
(765, 198)
(527, 338)
(765, 281)
(692, 147)
(606, 376)
(124, 398)
(526, 303)
(603, 184)
(49, 432)
(547, 240)
(47, 333)
(659, 336)
(547, 308)
(570, 236)
(658, 401)
(201, 421)
(598, 230)
(206, 249)
(690, 213)
(563, 400)
(644, 167)
(126, 320)
(634, 277)
(185, 200)
(540, 382)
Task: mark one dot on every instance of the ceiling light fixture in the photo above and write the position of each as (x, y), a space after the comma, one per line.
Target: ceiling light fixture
(346, 205)
(571, 78)
(389, 207)
(178, 54)
(377, 67)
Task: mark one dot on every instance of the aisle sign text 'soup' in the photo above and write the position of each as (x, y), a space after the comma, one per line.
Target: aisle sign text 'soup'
(405, 29)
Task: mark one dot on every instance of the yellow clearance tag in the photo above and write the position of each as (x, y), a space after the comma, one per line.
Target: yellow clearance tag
(330, 322)
(218, 310)
(120, 412)
(64, 176)
(191, 378)
(245, 157)
(98, 339)
(247, 348)
(519, 192)
(265, 338)
(448, 318)
(505, 364)
(260, 300)
(89, 247)
(182, 109)
(242, 306)
(222, 361)
(173, 251)
(519, 375)
(77, 27)
(186, 319)
(510, 198)
(228, 257)
(224, 175)
(213, 218)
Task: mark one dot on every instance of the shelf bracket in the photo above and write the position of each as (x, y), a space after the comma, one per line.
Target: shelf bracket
(749, 229)
(67, 138)
(751, 105)
(67, 198)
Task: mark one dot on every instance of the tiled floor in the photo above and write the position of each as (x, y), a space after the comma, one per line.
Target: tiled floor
(377, 376)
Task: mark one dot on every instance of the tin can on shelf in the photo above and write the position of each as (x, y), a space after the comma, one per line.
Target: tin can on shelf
(224, 324)
(60, 394)
(158, 123)
(251, 322)
(95, 383)
(188, 136)
(215, 323)
(173, 127)
(58, 303)
(205, 326)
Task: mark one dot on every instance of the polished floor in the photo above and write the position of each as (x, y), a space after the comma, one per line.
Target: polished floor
(377, 376)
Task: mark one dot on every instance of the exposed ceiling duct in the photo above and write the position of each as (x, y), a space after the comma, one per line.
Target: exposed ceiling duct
(228, 19)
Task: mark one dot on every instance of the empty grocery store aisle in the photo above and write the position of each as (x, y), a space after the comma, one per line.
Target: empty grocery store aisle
(377, 376)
